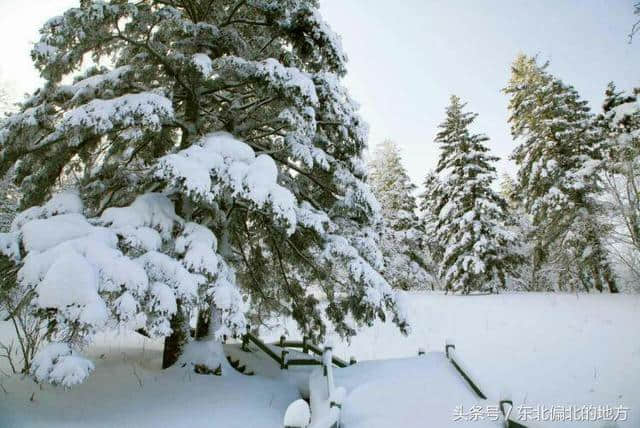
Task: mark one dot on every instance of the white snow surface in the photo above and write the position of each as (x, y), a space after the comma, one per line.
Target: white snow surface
(544, 348)
(77, 266)
(129, 390)
(405, 393)
(297, 414)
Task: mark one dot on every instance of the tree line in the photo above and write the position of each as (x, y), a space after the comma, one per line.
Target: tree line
(568, 221)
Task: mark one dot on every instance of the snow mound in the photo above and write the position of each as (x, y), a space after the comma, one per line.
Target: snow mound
(125, 269)
(297, 414)
(56, 363)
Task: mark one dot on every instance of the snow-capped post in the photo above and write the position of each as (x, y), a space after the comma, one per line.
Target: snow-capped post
(450, 353)
(283, 354)
(245, 339)
(506, 407)
(283, 359)
(448, 344)
(327, 363)
(298, 415)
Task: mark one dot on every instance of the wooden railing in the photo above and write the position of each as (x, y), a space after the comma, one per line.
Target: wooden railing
(283, 360)
(326, 400)
(454, 359)
(450, 353)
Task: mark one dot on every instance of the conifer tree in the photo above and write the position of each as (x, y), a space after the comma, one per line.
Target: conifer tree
(8, 191)
(519, 223)
(478, 249)
(559, 157)
(429, 199)
(619, 124)
(216, 162)
(401, 234)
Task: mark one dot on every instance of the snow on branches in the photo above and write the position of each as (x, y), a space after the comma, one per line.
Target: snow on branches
(123, 269)
(560, 159)
(220, 162)
(401, 234)
(478, 249)
(219, 151)
(58, 364)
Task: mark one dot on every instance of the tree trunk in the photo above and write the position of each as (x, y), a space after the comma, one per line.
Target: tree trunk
(203, 324)
(535, 267)
(608, 277)
(174, 344)
(215, 321)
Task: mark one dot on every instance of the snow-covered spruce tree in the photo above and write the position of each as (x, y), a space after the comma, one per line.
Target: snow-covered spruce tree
(8, 191)
(215, 154)
(428, 201)
(9, 197)
(619, 123)
(401, 234)
(519, 223)
(636, 25)
(559, 157)
(478, 249)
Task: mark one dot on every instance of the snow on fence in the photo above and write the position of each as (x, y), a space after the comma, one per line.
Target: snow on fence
(505, 404)
(298, 415)
(283, 360)
(326, 399)
(450, 352)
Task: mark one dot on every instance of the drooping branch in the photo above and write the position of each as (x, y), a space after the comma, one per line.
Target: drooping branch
(636, 26)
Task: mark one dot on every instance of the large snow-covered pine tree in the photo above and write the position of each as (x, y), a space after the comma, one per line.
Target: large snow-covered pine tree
(559, 158)
(401, 234)
(214, 157)
(478, 250)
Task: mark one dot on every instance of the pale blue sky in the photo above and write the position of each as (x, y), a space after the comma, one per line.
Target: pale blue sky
(408, 56)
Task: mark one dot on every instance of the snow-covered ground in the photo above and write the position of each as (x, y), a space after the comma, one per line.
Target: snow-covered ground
(128, 389)
(545, 349)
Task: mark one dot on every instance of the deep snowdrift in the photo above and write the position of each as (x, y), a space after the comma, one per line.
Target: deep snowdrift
(128, 389)
(546, 349)
(543, 349)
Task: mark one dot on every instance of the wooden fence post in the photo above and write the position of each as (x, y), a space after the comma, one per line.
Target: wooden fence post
(245, 340)
(446, 349)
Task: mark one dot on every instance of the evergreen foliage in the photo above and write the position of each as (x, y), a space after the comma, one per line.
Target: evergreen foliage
(401, 232)
(478, 249)
(212, 145)
(619, 124)
(559, 158)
